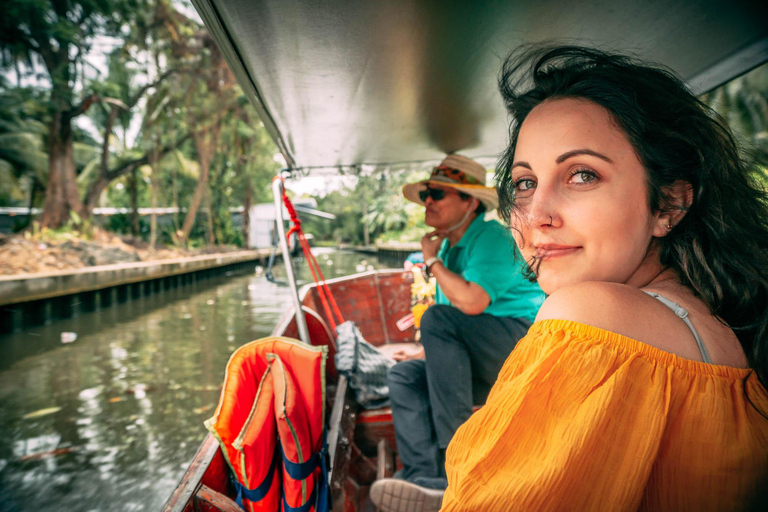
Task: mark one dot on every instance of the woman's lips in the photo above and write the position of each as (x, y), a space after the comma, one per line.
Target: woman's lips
(548, 252)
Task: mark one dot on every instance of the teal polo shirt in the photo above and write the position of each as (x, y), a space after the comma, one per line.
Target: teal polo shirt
(487, 255)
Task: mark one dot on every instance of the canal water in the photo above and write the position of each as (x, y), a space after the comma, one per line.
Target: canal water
(110, 421)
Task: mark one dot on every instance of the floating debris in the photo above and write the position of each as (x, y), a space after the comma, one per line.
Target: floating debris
(205, 388)
(210, 302)
(41, 412)
(186, 316)
(199, 410)
(140, 390)
(46, 455)
(68, 337)
(116, 399)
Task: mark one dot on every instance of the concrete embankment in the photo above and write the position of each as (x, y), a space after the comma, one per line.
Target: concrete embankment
(34, 299)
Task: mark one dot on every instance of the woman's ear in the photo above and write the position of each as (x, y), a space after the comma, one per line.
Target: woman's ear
(678, 198)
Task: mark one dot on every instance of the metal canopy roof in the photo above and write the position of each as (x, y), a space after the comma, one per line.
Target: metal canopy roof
(348, 82)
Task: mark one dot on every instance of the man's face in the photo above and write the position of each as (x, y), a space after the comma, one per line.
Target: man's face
(445, 213)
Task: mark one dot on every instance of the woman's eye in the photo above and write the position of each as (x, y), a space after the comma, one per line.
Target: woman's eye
(582, 176)
(524, 184)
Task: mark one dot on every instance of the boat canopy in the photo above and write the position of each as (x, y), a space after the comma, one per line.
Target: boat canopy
(344, 83)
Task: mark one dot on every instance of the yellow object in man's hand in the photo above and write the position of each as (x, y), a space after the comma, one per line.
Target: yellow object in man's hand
(418, 311)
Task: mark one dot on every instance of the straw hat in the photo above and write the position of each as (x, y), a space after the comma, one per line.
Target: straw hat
(461, 173)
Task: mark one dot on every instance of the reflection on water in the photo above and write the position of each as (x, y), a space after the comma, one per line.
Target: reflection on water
(111, 421)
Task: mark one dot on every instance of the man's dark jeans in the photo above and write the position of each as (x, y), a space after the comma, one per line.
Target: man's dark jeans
(432, 397)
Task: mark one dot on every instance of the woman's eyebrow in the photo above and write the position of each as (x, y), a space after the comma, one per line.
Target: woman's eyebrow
(521, 164)
(565, 156)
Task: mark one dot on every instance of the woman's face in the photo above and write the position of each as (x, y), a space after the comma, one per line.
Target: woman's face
(582, 199)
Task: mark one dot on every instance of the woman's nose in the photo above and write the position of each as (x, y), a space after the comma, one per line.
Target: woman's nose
(543, 210)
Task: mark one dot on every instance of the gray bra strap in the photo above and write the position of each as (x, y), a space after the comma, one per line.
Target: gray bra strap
(683, 314)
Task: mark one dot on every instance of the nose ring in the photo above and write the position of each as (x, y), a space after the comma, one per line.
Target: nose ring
(550, 221)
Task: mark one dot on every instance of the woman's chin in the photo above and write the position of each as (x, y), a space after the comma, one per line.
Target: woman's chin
(550, 282)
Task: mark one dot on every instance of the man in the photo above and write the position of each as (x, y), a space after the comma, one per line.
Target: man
(484, 305)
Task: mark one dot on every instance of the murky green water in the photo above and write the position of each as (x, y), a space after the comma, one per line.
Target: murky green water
(111, 421)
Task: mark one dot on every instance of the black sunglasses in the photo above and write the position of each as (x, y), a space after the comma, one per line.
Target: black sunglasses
(435, 193)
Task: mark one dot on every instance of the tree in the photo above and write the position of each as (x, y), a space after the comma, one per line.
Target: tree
(209, 102)
(56, 36)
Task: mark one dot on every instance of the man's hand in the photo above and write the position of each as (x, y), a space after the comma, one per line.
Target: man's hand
(430, 243)
(406, 354)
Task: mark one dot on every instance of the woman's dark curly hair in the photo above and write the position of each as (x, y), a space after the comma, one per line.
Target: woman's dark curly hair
(720, 247)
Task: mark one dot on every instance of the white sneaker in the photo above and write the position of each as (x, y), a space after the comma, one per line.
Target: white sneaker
(394, 495)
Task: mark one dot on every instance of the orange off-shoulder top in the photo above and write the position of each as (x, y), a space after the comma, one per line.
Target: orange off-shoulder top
(585, 419)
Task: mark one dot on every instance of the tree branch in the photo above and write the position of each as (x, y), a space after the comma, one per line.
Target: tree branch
(136, 97)
(90, 100)
(128, 166)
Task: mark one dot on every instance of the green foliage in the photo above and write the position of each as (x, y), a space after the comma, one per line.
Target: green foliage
(58, 34)
(75, 228)
(377, 201)
(743, 103)
(23, 158)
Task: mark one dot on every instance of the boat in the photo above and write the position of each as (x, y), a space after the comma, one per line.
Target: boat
(361, 442)
(347, 86)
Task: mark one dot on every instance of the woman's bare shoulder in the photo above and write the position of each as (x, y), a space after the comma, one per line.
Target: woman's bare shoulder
(588, 302)
(631, 312)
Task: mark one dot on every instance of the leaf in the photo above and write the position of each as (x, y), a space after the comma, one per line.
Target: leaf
(145, 170)
(187, 167)
(41, 412)
(88, 174)
(76, 219)
(84, 153)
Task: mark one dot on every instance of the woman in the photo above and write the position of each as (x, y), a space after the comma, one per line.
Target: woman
(641, 386)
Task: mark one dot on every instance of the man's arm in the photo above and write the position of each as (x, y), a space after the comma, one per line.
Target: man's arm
(467, 297)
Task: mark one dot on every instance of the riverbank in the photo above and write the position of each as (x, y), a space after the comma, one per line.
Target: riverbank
(59, 275)
(29, 253)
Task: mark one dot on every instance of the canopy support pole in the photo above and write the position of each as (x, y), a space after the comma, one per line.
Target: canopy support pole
(301, 320)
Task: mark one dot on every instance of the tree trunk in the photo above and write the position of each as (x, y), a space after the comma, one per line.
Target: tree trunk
(205, 142)
(32, 194)
(194, 204)
(175, 192)
(153, 160)
(133, 188)
(95, 190)
(61, 195)
(366, 234)
(211, 240)
(247, 199)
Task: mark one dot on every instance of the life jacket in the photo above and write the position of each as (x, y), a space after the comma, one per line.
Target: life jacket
(270, 424)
